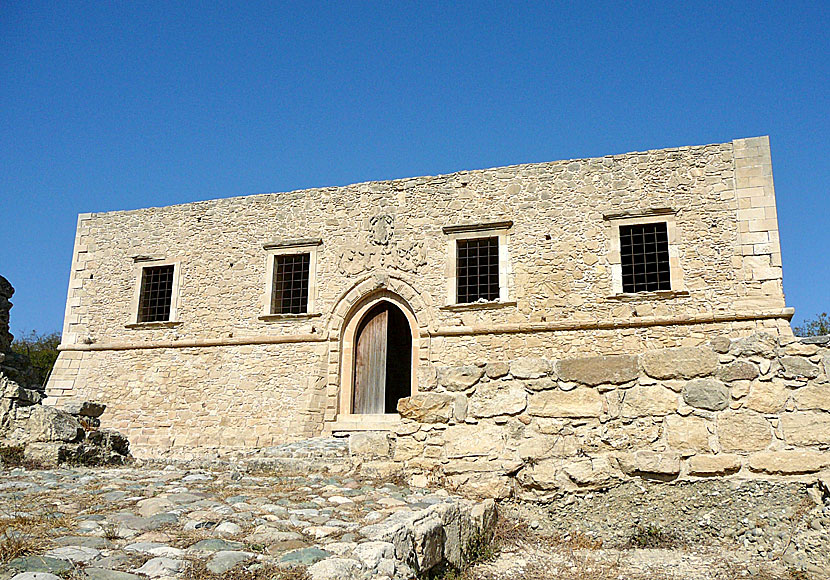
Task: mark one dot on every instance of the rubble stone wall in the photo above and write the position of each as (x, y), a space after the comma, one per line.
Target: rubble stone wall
(753, 406)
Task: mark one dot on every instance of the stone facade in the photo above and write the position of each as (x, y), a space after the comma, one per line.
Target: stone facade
(224, 374)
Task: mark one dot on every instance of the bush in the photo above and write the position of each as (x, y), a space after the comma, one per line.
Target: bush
(41, 350)
(818, 326)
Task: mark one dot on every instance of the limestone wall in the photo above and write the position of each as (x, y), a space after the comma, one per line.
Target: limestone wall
(222, 375)
(750, 407)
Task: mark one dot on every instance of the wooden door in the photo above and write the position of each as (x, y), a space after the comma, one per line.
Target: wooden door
(370, 362)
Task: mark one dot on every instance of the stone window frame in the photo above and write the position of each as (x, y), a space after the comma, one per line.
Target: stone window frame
(140, 264)
(500, 230)
(648, 216)
(308, 246)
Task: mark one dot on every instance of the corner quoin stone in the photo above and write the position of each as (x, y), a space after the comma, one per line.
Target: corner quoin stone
(598, 370)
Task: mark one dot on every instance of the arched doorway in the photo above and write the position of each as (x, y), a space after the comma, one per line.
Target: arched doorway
(382, 371)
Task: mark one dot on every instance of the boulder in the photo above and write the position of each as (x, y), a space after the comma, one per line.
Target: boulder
(427, 407)
(459, 378)
(708, 394)
(529, 367)
(47, 424)
(497, 398)
(599, 370)
(580, 402)
(84, 408)
(684, 362)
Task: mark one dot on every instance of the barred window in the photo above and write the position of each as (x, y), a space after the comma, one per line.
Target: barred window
(156, 294)
(644, 253)
(290, 288)
(477, 269)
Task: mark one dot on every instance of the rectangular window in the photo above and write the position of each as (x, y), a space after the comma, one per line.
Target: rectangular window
(477, 269)
(644, 253)
(156, 294)
(289, 293)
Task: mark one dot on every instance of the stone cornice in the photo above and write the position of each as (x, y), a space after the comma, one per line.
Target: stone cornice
(527, 327)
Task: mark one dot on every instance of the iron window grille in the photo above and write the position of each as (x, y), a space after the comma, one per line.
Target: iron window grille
(290, 289)
(477, 269)
(644, 253)
(156, 294)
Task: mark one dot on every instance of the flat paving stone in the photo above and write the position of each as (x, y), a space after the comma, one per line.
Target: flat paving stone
(40, 564)
(305, 556)
(105, 574)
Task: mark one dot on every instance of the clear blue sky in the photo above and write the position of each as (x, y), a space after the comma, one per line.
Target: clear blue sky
(119, 105)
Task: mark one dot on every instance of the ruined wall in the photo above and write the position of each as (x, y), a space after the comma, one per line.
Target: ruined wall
(389, 236)
(6, 292)
(751, 407)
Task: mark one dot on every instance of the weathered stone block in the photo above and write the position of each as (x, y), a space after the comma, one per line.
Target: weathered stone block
(761, 344)
(643, 401)
(459, 378)
(789, 462)
(687, 432)
(84, 408)
(427, 407)
(710, 465)
(721, 344)
(47, 424)
(743, 431)
(767, 397)
(795, 367)
(680, 362)
(589, 472)
(814, 396)
(709, 394)
(473, 440)
(498, 398)
(650, 463)
(806, 428)
(496, 370)
(529, 367)
(738, 371)
(598, 370)
(407, 448)
(580, 402)
(369, 444)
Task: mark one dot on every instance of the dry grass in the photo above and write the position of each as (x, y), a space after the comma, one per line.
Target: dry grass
(24, 535)
(13, 456)
(197, 570)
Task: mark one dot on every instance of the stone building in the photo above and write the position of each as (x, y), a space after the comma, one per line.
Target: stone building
(246, 322)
